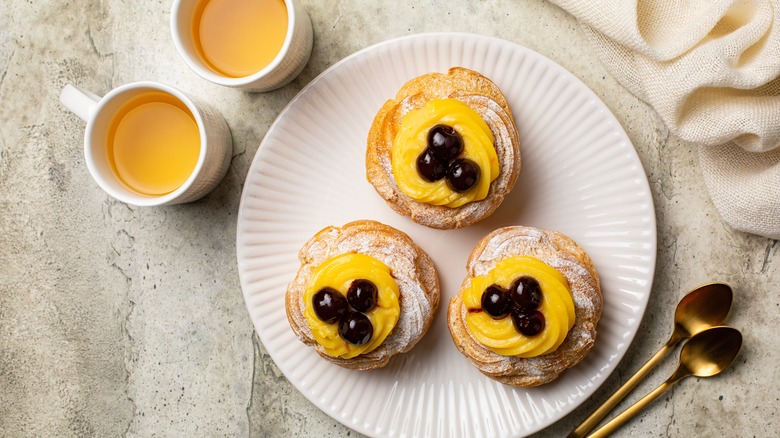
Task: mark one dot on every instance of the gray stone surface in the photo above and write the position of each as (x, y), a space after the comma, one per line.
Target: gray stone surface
(117, 320)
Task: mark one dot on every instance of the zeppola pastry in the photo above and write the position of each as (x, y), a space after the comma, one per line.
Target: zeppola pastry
(528, 307)
(364, 292)
(445, 151)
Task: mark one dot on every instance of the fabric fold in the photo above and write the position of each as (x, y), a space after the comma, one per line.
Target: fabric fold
(711, 69)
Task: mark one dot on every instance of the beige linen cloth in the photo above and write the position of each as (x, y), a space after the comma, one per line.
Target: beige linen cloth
(711, 69)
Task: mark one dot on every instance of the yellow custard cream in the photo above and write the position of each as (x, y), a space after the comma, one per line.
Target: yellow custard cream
(500, 335)
(411, 141)
(339, 272)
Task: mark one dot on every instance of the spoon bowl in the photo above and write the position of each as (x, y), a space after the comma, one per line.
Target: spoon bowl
(711, 351)
(704, 307)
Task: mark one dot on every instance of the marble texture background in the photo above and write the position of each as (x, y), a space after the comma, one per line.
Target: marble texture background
(124, 321)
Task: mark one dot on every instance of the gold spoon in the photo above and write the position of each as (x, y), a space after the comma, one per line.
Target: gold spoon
(706, 354)
(702, 308)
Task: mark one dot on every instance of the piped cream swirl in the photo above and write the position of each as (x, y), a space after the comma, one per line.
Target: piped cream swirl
(411, 141)
(500, 335)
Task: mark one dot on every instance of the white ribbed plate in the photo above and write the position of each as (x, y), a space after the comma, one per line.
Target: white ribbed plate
(580, 176)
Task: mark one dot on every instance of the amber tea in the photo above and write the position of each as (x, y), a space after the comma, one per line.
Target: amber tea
(237, 38)
(153, 143)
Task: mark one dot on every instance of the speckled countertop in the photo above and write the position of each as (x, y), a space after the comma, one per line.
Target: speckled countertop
(117, 320)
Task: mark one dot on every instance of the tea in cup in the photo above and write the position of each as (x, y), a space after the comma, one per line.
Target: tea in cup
(257, 45)
(150, 144)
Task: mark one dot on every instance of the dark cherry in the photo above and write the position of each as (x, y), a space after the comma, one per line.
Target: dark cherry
(462, 174)
(444, 142)
(429, 168)
(329, 305)
(356, 328)
(496, 301)
(529, 323)
(362, 295)
(526, 293)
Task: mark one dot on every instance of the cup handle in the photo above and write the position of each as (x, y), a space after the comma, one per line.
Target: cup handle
(79, 102)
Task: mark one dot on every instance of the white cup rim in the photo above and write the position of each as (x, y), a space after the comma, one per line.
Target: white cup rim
(207, 73)
(140, 199)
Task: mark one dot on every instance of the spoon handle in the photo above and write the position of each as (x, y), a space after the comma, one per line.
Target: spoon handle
(621, 393)
(632, 410)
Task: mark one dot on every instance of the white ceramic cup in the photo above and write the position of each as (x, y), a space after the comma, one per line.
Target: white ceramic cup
(289, 62)
(216, 144)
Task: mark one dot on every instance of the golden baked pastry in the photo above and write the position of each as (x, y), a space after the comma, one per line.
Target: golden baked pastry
(327, 304)
(480, 115)
(558, 264)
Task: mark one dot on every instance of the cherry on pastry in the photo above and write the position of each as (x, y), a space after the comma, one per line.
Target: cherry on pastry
(462, 174)
(362, 295)
(528, 323)
(429, 168)
(444, 142)
(496, 301)
(526, 293)
(356, 328)
(329, 305)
